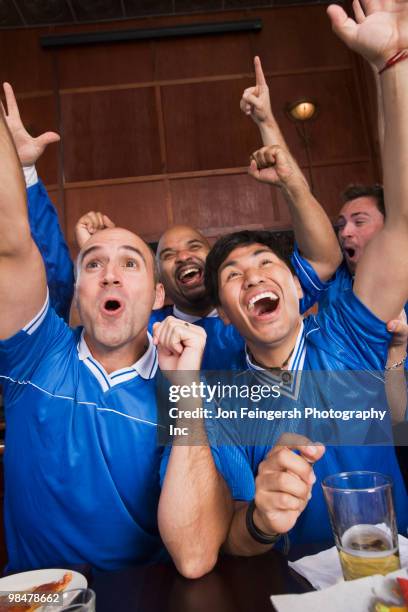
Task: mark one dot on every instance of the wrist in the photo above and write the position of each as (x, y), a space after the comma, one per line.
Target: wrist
(392, 60)
(257, 528)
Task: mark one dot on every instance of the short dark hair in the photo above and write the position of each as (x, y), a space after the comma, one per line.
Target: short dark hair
(361, 191)
(226, 244)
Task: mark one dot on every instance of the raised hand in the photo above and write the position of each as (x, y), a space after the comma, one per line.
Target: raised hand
(284, 483)
(90, 223)
(180, 345)
(255, 101)
(276, 166)
(29, 149)
(379, 30)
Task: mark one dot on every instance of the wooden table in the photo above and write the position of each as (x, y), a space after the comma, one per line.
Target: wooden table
(237, 584)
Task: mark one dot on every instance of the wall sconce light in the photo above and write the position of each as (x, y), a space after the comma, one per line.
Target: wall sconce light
(302, 110)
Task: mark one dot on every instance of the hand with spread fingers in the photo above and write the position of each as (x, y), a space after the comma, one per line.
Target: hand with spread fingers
(255, 101)
(379, 30)
(180, 345)
(275, 165)
(284, 483)
(90, 223)
(29, 149)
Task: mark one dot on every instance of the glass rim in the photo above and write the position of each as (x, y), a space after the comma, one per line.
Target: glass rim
(388, 482)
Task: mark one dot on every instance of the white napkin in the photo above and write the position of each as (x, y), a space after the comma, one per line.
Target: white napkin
(324, 569)
(353, 596)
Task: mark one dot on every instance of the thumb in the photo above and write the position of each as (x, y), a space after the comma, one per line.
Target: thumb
(47, 138)
(156, 332)
(343, 26)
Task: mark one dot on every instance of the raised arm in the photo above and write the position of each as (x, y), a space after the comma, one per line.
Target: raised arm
(314, 233)
(43, 217)
(22, 274)
(195, 505)
(382, 275)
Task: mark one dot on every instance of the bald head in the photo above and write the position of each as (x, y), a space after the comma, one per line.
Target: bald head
(118, 236)
(181, 255)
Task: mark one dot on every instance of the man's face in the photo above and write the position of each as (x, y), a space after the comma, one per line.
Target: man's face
(115, 287)
(182, 252)
(358, 222)
(259, 295)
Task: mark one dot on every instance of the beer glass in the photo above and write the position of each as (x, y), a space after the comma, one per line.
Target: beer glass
(363, 520)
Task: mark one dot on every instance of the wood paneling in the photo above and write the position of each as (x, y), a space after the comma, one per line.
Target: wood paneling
(140, 207)
(135, 111)
(296, 38)
(203, 56)
(330, 182)
(205, 128)
(110, 134)
(106, 65)
(222, 201)
(24, 64)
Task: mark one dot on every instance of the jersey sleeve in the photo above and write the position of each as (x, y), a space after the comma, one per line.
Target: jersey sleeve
(357, 337)
(313, 288)
(48, 236)
(22, 355)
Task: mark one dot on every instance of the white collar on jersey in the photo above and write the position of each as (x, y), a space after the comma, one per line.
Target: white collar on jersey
(179, 314)
(145, 367)
(289, 379)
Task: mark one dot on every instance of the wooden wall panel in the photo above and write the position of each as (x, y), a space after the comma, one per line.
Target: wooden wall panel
(217, 202)
(330, 181)
(204, 56)
(104, 65)
(109, 134)
(24, 64)
(205, 128)
(298, 38)
(140, 207)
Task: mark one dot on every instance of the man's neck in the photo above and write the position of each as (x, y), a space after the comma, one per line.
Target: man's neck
(113, 359)
(194, 311)
(276, 356)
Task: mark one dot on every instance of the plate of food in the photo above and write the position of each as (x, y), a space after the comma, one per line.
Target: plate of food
(38, 589)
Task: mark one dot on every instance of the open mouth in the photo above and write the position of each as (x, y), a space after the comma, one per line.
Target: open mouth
(191, 275)
(263, 304)
(112, 306)
(350, 252)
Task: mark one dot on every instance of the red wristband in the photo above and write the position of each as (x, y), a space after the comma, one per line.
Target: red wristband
(398, 57)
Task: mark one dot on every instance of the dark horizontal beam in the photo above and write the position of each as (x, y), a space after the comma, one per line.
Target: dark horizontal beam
(196, 29)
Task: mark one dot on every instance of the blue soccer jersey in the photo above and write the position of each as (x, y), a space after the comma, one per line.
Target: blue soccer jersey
(315, 290)
(81, 458)
(344, 337)
(47, 234)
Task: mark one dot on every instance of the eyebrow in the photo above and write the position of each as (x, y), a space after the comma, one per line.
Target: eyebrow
(234, 262)
(355, 214)
(189, 243)
(124, 247)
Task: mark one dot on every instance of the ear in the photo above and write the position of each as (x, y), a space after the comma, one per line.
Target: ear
(224, 318)
(298, 286)
(159, 296)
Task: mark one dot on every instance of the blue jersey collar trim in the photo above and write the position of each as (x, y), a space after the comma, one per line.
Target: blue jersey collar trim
(145, 367)
(289, 379)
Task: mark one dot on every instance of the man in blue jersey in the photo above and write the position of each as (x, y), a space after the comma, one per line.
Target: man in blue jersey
(255, 290)
(81, 459)
(360, 219)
